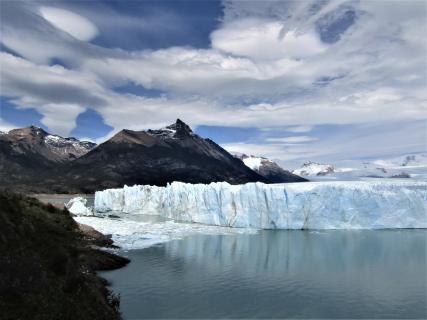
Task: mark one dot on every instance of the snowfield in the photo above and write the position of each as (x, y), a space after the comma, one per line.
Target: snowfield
(311, 205)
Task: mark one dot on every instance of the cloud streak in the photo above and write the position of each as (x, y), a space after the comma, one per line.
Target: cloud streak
(77, 26)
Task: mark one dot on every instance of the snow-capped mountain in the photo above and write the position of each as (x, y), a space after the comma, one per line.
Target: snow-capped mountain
(268, 169)
(36, 141)
(31, 155)
(310, 168)
(68, 147)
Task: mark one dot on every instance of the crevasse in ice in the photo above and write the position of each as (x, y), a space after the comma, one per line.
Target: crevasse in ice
(312, 205)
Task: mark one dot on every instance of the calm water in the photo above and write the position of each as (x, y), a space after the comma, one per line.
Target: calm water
(278, 274)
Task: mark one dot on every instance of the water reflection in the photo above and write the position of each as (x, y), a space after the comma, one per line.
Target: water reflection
(327, 274)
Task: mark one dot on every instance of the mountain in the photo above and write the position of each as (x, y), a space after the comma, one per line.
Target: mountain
(269, 169)
(32, 160)
(314, 169)
(156, 157)
(29, 154)
(35, 142)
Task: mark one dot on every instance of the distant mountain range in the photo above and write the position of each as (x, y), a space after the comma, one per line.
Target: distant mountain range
(405, 166)
(33, 160)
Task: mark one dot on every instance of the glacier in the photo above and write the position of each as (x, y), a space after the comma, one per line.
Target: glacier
(309, 205)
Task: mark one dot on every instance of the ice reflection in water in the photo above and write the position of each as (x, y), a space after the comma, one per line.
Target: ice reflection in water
(327, 274)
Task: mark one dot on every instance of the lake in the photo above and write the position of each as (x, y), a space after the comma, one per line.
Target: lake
(278, 274)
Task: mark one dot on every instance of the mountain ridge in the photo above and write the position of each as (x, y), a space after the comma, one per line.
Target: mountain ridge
(156, 157)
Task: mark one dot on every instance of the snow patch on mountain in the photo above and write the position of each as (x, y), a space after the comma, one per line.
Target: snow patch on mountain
(61, 146)
(253, 162)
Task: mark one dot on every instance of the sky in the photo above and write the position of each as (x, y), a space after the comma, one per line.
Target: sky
(321, 80)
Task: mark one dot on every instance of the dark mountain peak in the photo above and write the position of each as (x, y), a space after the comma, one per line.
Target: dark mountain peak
(177, 130)
(180, 128)
(33, 131)
(37, 130)
(124, 135)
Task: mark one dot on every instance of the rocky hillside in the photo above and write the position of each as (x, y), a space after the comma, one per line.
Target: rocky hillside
(48, 265)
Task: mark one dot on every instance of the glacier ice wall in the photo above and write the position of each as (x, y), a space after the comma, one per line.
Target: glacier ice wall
(311, 205)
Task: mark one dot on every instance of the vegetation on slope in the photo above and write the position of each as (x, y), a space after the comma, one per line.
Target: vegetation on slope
(47, 265)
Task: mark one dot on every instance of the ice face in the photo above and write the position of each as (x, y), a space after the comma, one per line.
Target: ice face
(311, 205)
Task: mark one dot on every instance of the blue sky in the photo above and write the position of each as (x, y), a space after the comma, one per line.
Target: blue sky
(291, 80)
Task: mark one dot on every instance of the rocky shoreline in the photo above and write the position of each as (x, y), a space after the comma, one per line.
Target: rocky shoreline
(49, 264)
(99, 259)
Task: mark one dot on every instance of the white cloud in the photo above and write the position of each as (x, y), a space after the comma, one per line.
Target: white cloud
(294, 139)
(60, 118)
(265, 40)
(300, 129)
(72, 23)
(377, 97)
